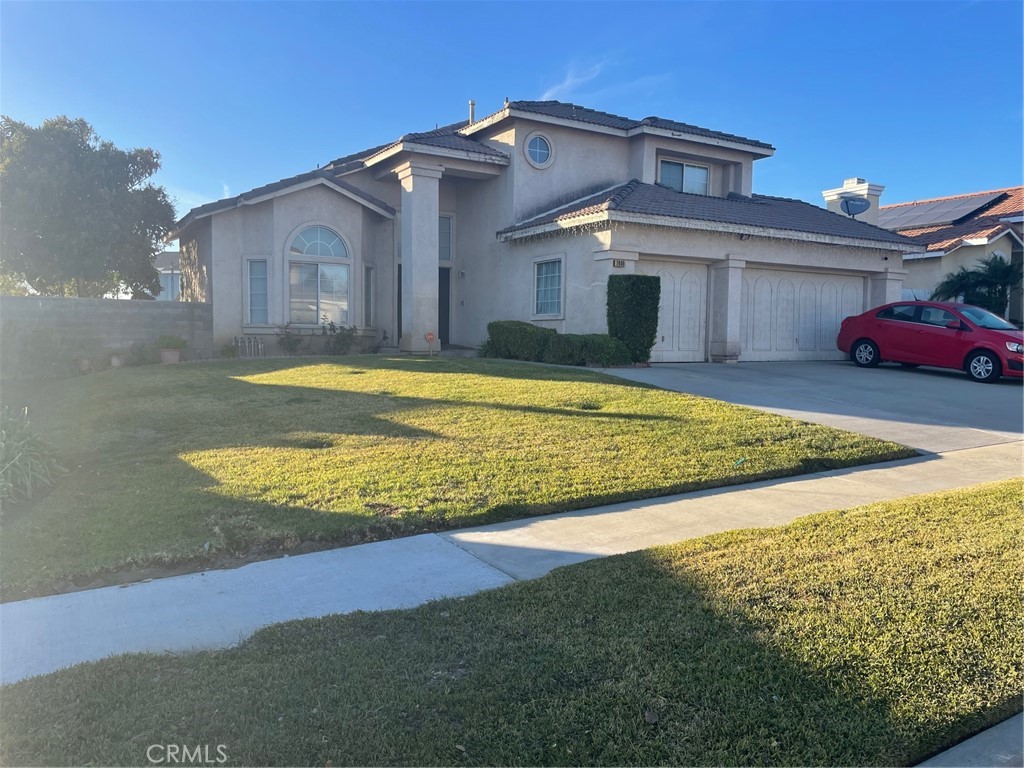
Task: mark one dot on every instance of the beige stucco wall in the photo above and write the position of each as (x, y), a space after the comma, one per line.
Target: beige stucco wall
(264, 231)
(588, 262)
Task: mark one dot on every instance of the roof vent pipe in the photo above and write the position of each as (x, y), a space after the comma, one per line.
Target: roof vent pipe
(472, 111)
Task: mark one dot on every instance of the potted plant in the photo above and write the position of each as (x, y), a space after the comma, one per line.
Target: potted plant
(170, 348)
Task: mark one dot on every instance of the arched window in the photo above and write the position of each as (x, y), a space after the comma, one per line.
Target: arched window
(318, 277)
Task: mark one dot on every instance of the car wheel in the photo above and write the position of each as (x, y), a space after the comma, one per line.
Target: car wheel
(909, 365)
(865, 353)
(983, 367)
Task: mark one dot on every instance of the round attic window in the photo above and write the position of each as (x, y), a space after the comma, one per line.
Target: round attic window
(538, 150)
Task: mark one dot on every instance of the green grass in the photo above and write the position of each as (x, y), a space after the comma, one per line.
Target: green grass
(179, 463)
(872, 636)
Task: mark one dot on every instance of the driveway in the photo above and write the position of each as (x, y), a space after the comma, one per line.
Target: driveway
(929, 409)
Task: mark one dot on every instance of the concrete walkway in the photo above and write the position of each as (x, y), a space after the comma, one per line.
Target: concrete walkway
(1001, 746)
(216, 609)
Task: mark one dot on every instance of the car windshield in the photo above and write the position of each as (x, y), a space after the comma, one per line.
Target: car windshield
(985, 319)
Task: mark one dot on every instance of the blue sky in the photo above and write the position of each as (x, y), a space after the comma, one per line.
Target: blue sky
(923, 97)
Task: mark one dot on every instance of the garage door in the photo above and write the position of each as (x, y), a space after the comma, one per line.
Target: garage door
(682, 316)
(796, 315)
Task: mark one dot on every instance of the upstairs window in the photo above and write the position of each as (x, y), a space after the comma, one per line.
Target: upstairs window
(684, 177)
(538, 150)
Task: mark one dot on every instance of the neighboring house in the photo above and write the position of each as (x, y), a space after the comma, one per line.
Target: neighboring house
(959, 231)
(167, 264)
(525, 214)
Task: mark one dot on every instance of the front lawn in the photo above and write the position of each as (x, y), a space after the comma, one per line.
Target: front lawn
(872, 636)
(191, 462)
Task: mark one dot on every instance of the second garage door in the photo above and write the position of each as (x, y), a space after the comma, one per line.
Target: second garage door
(795, 315)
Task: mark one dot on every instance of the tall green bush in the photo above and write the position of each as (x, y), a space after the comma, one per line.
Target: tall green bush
(633, 302)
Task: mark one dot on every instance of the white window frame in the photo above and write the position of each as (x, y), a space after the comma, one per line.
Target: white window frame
(685, 165)
(290, 258)
(246, 295)
(560, 315)
(451, 260)
(551, 149)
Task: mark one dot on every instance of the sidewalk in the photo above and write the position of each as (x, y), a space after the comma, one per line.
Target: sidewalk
(217, 609)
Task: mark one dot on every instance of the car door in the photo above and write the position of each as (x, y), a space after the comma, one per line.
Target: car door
(896, 333)
(939, 345)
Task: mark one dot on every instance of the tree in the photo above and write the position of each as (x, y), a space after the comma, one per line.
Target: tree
(77, 214)
(987, 285)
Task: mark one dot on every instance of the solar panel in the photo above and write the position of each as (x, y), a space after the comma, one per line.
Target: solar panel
(933, 213)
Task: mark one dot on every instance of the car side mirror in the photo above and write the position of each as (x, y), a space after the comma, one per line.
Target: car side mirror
(957, 325)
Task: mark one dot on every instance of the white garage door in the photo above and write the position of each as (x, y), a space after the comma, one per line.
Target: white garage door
(682, 316)
(796, 315)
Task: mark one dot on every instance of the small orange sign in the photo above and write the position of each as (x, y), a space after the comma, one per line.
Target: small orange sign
(429, 336)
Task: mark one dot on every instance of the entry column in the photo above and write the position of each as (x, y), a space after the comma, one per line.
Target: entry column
(419, 254)
(726, 298)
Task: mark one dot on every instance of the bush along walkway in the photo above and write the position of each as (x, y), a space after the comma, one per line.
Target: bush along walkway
(876, 635)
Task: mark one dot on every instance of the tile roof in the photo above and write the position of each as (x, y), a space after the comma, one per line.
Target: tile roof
(984, 223)
(276, 186)
(567, 111)
(445, 137)
(757, 211)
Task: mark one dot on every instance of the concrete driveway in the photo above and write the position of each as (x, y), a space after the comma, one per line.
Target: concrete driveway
(929, 409)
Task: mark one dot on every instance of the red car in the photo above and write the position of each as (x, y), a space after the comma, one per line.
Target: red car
(937, 333)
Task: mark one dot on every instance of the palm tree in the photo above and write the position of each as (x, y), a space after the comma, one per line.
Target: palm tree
(987, 285)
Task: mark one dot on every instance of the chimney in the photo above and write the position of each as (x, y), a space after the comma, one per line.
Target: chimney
(855, 188)
(472, 111)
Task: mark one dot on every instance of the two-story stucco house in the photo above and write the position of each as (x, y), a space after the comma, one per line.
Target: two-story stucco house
(524, 214)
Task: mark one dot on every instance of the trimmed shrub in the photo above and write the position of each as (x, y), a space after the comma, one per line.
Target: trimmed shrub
(603, 350)
(597, 349)
(26, 462)
(566, 349)
(516, 340)
(633, 302)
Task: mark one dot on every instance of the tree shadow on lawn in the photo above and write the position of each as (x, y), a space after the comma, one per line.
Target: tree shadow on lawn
(135, 458)
(618, 662)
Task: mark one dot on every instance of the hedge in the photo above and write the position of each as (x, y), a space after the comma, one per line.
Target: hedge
(516, 340)
(633, 302)
(586, 349)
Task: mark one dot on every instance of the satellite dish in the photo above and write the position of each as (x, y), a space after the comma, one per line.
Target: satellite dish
(855, 205)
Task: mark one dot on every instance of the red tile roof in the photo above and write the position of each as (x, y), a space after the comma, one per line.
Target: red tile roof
(984, 223)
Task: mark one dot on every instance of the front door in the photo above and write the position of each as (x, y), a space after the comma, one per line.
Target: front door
(444, 303)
